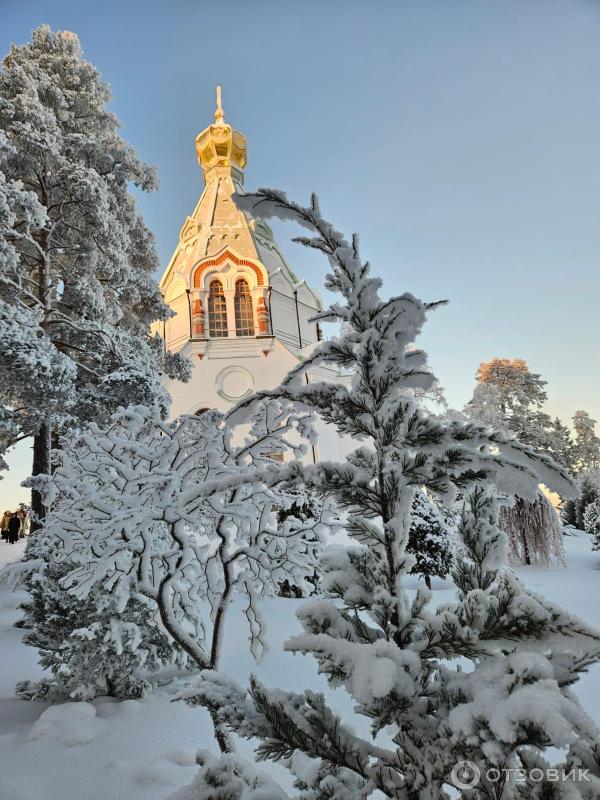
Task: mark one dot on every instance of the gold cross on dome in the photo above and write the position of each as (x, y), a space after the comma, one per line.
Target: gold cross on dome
(219, 116)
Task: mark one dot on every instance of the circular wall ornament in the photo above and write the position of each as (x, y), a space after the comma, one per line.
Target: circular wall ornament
(232, 383)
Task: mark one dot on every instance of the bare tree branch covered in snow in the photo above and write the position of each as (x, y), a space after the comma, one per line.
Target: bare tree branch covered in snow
(178, 513)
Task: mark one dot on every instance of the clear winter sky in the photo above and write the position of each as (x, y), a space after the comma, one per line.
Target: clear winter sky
(461, 140)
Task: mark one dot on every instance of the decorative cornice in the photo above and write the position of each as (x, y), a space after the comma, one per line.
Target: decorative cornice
(227, 255)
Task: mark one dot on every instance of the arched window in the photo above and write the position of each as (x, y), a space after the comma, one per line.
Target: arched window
(244, 318)
(217, 310)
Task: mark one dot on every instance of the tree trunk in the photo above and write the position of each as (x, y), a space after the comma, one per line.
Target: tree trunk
(221, 736)
(41, 466)
(521, 509)
(428, 581)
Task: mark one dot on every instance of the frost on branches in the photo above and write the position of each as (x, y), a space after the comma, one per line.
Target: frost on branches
(228, 777)
(402, 661)
(77, 292)
(534, 531)
(178, 516)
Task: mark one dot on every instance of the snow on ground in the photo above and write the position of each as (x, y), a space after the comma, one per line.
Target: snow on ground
(144, 750)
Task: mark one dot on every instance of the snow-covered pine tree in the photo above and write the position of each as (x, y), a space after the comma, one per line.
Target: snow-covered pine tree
(510, 397)
(21, 210)
(591, 522)
(176, 513)
(485, 407)
(394, 656)
(587, 444)
(568, 513)
(563, 448)
(517, 405)
(589, 491)
(93, 646)
(429, 540)
(77, 263)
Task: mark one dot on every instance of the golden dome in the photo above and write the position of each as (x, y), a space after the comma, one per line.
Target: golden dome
(219, 145)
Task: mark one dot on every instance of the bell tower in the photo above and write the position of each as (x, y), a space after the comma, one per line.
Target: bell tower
(240, 313)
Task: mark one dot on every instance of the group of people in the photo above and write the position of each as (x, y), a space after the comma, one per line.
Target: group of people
(15, 524)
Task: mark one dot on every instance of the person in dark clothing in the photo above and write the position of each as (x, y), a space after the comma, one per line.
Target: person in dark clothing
(14, 526)
(4, 525)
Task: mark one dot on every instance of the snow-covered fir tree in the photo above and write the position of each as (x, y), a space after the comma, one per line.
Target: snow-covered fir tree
(177, 514)
(563, 448)
(515, 403)
(587, 443)
(485, 407)
(568, 513)
(77, 292)
(93, 646)
(397, 657)
(501, 715)
(591, 522)
(429, 540)
(589, 492)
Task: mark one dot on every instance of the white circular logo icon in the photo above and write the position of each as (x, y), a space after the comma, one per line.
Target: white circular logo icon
(465, 775)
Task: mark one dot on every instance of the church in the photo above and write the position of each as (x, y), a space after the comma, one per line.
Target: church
(241, 314)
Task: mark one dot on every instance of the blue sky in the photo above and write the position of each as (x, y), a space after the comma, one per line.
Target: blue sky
(460, 139)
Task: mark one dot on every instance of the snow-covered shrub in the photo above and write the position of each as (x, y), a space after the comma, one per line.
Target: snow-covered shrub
(92, 647)
(589, 492)
(568, 513)
(591, 522)
(177, 513)
(228, 777)
(429, 540)
(401, 661)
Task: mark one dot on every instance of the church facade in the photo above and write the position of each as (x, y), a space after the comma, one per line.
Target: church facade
(242, 316)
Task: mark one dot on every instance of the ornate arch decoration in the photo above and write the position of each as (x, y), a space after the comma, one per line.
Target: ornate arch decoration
(227, 255)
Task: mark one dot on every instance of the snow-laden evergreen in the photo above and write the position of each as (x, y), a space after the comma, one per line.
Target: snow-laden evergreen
(77, 263)
(591, 522)
(589, 492)
(429, 540)
(402, 661)
(508, 396)
(586, 455)
(90, 647)
(229, 777)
